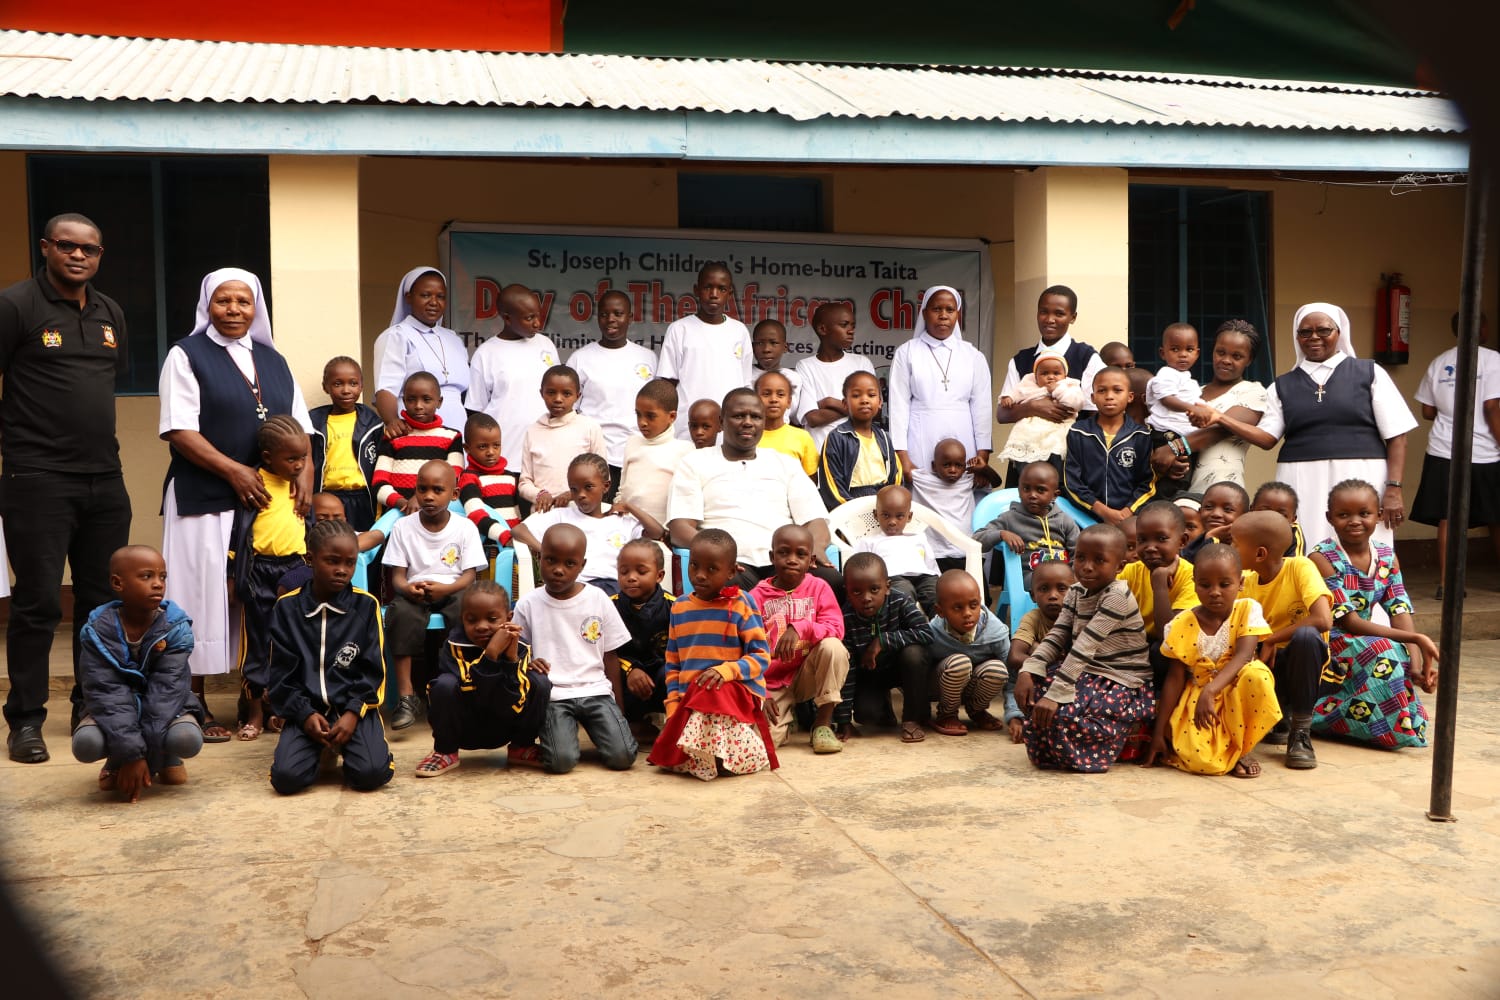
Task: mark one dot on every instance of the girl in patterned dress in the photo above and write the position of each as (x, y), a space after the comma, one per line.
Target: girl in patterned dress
(1219, 700)
(717, 657)
(1369, 687)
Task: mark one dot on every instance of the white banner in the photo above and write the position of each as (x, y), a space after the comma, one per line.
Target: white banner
(782, 277)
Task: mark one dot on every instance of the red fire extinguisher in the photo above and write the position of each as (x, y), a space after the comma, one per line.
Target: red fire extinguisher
(1392, 321)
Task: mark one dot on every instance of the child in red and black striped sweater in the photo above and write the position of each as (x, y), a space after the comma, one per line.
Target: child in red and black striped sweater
(487, 489)
(398, 459)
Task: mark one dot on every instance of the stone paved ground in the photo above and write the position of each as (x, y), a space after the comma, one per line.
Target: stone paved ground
(948, 868)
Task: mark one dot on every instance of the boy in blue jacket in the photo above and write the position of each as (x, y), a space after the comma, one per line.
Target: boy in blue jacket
(1108, 470)
(141, 717)
(969, 648)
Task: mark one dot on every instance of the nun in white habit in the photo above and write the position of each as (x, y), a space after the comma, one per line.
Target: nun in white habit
(218, 386)
(417, 341)
(939, 387)
(1338, 417)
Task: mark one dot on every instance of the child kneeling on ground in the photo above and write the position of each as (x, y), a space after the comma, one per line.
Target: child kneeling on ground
(805, 631)
(574, 632)
(140, 715)
(328, 671)
(717, 657)
(485, 694)
(1087, 685)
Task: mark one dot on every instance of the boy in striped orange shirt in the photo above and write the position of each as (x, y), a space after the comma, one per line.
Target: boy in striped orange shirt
(717, 657)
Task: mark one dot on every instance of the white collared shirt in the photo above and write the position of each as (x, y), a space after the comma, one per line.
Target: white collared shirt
(1392, 416)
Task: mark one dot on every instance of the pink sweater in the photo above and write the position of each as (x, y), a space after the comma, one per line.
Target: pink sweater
(550, 445)
(812, 608)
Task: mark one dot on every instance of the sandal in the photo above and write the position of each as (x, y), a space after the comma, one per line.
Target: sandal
(823, 740)
(1248, 767)
(984, 720)
(248, 731)
(436, 763)
(949, 725)
(527, 756)
(911, 732)
(213, 732)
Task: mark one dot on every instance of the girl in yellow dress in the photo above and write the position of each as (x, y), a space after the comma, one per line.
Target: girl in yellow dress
(1218, 700)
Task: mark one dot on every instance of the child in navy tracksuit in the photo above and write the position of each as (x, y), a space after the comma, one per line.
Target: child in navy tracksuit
(1108, 469)
(141, 717)
(328, 670)
(345, 440)
(646, 610)
(486, 693)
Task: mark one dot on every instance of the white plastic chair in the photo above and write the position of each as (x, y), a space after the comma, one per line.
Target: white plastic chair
(853, 520)
(525, 561)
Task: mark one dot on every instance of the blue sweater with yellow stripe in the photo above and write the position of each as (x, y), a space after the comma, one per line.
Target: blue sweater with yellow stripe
(326, 656)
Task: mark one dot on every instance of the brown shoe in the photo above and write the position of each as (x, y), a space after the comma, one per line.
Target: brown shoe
(173, 774)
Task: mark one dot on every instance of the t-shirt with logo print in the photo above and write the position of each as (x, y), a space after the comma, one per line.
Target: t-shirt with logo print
(440, 556)
(572, 635)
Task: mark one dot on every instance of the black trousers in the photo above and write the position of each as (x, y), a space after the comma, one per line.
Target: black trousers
(637, 709)
(463, 720)
(367, 757)
(52, 518)
(265, 571)
(866, 695)
(1298, 671)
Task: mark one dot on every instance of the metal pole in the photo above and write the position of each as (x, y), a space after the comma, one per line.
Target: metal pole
(1476, 211)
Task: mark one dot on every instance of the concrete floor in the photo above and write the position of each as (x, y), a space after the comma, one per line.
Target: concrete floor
(946, 868)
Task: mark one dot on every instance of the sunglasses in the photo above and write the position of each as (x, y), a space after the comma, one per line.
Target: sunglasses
(67, 247)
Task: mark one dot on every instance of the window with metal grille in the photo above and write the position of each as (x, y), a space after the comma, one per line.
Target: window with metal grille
(740, 201)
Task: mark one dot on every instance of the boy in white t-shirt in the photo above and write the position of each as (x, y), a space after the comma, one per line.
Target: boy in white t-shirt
(1173, 396)
(820, 402)
(652, 456)
(433, 557)
(708, 353)
(507, 368)
(610, 373)
(909, 562)
(574, 631)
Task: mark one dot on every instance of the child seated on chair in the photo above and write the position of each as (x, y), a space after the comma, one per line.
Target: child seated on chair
(717, 658)
(907, 555)
(487, 488)
(575, 633)
(652, 456)
(1034, 526)
(950, 487)
(1049, 586)
(889, 643)
(606, 532)
(486, 693)
(1087, 684)
(139, 712)
(433, 556)
(969, 650)
(857, 458)
(328, 671)
(646, 610)
(805, 630)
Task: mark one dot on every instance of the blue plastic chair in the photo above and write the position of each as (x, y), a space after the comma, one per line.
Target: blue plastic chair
(1015, 600)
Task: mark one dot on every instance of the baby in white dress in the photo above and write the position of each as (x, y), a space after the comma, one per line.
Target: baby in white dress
(1036, 439)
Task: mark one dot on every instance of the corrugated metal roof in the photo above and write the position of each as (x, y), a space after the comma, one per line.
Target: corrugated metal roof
(104, 68)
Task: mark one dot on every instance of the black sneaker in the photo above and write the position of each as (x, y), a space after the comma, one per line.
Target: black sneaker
(1278, 734)
(27, 746)
(1299, 751)
(406, 711)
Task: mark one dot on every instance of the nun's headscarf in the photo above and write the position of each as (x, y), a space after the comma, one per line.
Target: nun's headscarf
(921, 327)
(1340, 320)
(260, 325)
(403, 310)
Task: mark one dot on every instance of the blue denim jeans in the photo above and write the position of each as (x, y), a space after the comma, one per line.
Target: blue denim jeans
(601, 719)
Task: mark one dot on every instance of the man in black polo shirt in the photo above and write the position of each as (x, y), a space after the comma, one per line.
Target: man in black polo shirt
(61, 490)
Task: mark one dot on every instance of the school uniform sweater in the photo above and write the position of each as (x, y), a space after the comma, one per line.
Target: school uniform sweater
(899, 623)
(725, 635)
(326, 656)
(369, 431)
(488, 494)
(503, 684)
(841, 450)
(1116, 472)
(398, 460)
(134, 697)
(647, 623)
(1098, 633)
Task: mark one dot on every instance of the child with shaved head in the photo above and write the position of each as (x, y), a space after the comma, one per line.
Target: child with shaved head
(907, 555)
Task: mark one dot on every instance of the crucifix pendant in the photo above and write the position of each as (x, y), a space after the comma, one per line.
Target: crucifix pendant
(945, 383)
(1320, 394)
(260, 410)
